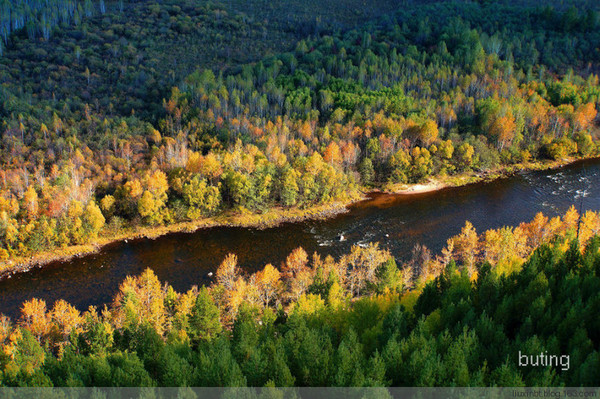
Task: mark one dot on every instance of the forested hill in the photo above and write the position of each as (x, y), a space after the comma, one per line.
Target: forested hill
(127, 55)
(104, 128)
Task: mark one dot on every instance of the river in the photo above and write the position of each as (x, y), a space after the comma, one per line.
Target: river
(397, 222)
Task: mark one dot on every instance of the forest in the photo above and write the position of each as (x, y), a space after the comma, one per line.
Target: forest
(458, 318)
(121, 116)
(125, 115)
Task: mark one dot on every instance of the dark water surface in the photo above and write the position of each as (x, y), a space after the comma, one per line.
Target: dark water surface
(397, 222)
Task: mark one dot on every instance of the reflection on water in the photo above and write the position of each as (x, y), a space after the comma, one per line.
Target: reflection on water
(397, 222)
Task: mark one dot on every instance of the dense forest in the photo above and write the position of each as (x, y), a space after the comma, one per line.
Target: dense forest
(149, 114)
(459, 318)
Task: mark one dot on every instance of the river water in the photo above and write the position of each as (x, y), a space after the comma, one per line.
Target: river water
(397, 222)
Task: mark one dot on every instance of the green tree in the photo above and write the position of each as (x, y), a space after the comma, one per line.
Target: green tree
(367, 172)
(204, 323)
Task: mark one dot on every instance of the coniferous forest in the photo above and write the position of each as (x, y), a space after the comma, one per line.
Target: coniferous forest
(127, 118)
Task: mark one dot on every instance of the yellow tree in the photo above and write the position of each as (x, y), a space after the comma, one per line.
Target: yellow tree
(134, 189)
(228, 273)
(570, 220)
(297, 276)
(44, 131)
(107, 204)
(308, 305)
(35, 318)
(268, 284)
(466, 246)
(65, 319)
(590, 226)
(554, 226)
(140, 300)
(335, 295)
(536, 230)
(154, 198)
(183, 307)
(194, 162)
(30, 202)
(428, 132)
(504, 246)
(492, 246)
(210, 167)
(464, 156)
(236, 297)
(503, 128)
(93, 220)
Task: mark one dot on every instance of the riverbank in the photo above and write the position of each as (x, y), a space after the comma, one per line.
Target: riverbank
(270, 218)
(459, 180)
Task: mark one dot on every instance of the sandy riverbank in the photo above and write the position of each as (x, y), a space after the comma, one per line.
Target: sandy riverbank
(433, 185)
(459, 180)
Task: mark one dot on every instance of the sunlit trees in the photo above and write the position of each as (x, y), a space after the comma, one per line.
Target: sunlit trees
(466, 246)
(289, 187)
(140, 300)
(464, 156)
(503, 246)
(400, 164)
(428, 132)
(93, 220)
(228, 273)
(503, 129)
(347, 111)
(268, 284)
(66, 320)
(296, 274)
(584, 116)
(536, 231)
(30, 202)
(153, 199)
(89, 146)
(421, 164)
(362, 267)
(35, 318)
(589, 226)
(202, 199)
(237, 188)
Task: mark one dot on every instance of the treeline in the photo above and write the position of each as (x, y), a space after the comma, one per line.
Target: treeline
(38, 18)
(392, 103)
(128, 58)
(355, 321)
(554, 34)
